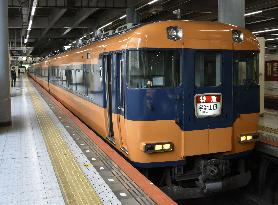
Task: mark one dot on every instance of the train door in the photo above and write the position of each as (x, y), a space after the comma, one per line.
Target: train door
(107, 66)
(208, 97)
(120, 64)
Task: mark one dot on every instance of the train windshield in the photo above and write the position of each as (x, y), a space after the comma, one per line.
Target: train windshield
(207, 69)
(150, 69)
(246, 68)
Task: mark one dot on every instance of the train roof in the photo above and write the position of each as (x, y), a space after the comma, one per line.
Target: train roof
(196, 35)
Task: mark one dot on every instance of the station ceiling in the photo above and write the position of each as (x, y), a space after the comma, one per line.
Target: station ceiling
(57, 23)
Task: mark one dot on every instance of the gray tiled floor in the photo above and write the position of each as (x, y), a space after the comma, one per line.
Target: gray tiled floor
(270, 119)
(26, 173)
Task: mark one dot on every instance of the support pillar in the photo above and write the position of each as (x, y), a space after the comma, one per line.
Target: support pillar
(131, 16)
(261, 72)
(231, 12)
(5, 100)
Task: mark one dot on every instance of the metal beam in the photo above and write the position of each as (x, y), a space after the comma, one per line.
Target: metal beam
(107, 4)
(79, 17)
(25, 18)
(56, 15)
(42, 22)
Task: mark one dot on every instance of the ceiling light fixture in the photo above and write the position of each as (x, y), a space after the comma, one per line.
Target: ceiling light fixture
(122, 17)
(253, 13)
(105, 25)
(34, 6)
(152, 2)
(271, 39)
(265, 31)
(253, 22)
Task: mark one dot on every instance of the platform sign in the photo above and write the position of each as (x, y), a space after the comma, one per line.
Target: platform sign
(208, 105)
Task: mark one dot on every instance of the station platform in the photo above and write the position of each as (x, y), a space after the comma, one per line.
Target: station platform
(48, 156)
(268, 133)
(271, 101)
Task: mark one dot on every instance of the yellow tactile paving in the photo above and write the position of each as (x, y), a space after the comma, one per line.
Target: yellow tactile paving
(74, 184)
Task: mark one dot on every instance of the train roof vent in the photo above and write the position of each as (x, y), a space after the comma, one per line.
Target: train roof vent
(98, 32)
(124, 27)
(107, 34)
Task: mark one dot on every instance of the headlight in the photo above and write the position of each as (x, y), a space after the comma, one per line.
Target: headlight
(248, 138)
(174, 33)
(158, 147)
(237, 36)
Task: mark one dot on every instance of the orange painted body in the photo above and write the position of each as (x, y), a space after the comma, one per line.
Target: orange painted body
(132, 135)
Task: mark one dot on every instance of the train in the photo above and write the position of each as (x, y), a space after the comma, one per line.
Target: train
(271, 81)
(178, 99)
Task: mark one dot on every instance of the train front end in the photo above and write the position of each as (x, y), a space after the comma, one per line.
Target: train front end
(192, 104)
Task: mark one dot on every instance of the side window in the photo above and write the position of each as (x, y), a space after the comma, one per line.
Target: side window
(245, 67)
(69, 77)
(94, 83)
(45, 73)
(62, 76)
(53, 76)
(78, 79)
(208, 69)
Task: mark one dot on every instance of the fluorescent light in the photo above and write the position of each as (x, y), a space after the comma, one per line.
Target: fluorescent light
(271, 39)
(274, 34)
(30, 25)
(105, 25)
(33, 11)
(31, 20)
(74, 42)
(34, 7)
(253, 22)
(122, 17)
(152, 2)
(253, 13)
(265, 31)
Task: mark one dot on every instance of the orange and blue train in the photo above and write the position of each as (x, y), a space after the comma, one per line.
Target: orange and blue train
(179, 99)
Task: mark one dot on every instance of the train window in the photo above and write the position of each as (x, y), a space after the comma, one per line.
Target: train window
(53, 75)
(207, 69)
(69, 75)
(245, 68)
(78, 81)
(62, 76)
(94, 82)
(154, 69)
(44, 74)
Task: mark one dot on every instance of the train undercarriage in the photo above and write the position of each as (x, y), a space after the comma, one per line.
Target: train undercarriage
(201, 177)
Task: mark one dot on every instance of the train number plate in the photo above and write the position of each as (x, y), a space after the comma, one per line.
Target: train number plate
(208, 105)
